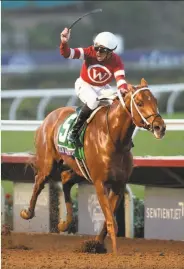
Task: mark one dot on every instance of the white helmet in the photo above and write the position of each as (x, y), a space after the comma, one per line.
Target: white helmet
(106, 39)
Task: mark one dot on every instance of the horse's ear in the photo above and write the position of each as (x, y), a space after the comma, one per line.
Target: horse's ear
(144, 82)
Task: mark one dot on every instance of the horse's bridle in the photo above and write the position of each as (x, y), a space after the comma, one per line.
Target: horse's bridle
(145, 124)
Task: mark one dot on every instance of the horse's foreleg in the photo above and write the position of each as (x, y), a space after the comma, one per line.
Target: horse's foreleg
(117, 192)
(115, 197)
(63, 226)
(108, 213)
(114, 202)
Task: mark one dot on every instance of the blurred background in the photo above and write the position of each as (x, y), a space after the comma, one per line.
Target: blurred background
(151, 44)
(150, 33)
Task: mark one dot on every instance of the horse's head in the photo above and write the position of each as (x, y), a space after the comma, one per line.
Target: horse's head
(144, 109)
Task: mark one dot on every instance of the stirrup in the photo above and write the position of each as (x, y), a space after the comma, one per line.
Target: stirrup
(74, 140)
(72, 137)
(78, 142)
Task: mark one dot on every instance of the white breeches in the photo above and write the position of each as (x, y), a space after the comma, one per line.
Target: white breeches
(88, 93)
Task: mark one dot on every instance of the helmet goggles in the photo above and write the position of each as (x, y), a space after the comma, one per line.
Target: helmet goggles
(101, 49)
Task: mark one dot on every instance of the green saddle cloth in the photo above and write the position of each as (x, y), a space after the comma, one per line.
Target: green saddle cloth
(66, 147)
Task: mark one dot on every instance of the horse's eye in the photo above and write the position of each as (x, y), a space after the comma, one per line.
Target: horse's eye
(140, 103)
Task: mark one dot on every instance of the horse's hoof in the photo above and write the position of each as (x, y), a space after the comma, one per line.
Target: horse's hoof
(93, 246)
(63, 226)
(26, 214)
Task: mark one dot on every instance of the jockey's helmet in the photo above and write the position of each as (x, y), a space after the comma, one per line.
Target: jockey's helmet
(107, 40)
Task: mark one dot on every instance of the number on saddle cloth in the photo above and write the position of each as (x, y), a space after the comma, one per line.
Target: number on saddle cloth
(66, 147)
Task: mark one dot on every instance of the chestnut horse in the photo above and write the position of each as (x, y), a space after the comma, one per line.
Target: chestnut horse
(107, 148)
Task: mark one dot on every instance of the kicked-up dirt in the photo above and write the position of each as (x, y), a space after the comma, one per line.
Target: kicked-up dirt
(54, 251)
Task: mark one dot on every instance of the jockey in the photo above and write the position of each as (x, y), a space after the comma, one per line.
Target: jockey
(100, 66)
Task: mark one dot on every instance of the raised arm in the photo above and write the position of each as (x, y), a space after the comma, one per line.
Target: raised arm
(65, 50)
(119, 74)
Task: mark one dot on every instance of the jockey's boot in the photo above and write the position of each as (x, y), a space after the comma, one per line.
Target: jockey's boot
(84, 113)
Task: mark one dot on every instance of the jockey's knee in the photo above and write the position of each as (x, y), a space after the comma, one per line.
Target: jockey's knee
(92, 104)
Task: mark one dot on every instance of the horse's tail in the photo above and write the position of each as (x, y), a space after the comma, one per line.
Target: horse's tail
(31, 162)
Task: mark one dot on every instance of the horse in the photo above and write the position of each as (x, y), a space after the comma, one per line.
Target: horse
(107, 148)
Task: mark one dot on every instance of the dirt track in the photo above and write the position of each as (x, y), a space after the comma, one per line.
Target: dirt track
(53, 251)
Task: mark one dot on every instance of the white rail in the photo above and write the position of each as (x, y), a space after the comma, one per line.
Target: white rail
(20, 125)
(174, 124)
(34, 93)
(32, 125)
(47, 94)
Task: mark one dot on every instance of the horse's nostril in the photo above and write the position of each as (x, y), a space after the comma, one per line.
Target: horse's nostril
(156, 128)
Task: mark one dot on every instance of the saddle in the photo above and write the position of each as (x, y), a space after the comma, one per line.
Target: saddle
(77, 151)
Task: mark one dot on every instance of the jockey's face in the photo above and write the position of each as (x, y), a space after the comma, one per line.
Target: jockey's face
(102, 53)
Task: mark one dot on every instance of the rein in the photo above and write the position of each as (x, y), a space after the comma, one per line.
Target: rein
(146, 124)
(130, 130)
(108, 130)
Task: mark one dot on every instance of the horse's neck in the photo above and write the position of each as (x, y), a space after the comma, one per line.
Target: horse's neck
(121, 124)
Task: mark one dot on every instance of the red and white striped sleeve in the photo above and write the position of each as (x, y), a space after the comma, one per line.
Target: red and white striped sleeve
(67, 52)
(119, 74)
